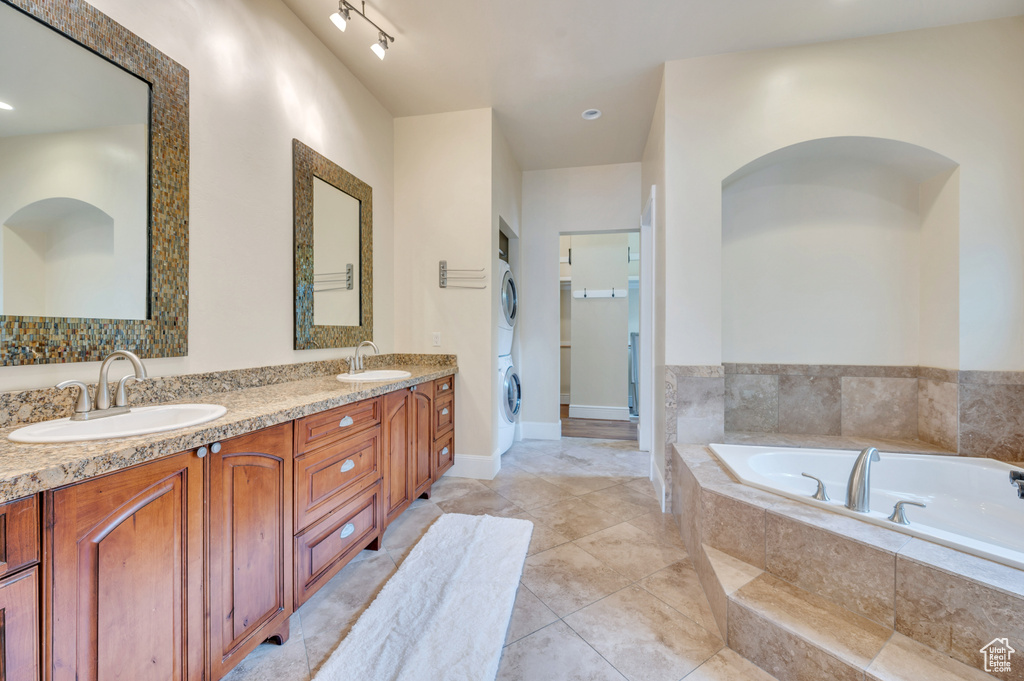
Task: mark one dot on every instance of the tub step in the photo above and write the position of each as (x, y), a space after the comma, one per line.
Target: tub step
(904, 659)
(794, 634)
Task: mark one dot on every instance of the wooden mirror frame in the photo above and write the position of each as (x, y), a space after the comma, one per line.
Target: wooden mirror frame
(45, 340)
(308, 164)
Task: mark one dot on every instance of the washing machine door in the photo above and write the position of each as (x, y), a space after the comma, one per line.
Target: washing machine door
(512, 395)
(509, 299)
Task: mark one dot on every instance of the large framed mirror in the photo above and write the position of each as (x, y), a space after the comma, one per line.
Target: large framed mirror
(333, 253)
(94, 146)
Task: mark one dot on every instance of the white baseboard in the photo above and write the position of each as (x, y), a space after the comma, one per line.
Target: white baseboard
(538, 430)
(475, 466)
(586, 411)
(564, 398)
(659, 484)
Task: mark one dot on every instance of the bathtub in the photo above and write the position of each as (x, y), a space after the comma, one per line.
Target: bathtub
(971, 505)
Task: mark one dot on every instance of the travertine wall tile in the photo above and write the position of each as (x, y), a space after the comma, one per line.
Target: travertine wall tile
(938, 413)
(880, 407)
(992, 421)
(810, 405)
(752, 403)
(700, 409)
(734, 527)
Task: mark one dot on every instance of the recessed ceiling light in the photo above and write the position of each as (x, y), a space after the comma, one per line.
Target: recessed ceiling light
(6, 107)
(591, 114)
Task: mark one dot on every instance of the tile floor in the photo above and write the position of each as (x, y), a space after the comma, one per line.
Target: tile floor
(607, 591)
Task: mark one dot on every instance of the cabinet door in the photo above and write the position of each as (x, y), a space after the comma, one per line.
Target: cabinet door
(397, 437)
(250, 543)
(124, 596)
(19, 626)
(422, 441)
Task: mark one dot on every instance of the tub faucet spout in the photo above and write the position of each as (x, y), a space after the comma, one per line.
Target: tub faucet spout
(858, 491)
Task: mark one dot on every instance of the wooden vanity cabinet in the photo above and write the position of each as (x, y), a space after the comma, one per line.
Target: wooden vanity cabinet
(396, 430)
(19, 591)
(250, 554)
(123, 597)
(422, 454)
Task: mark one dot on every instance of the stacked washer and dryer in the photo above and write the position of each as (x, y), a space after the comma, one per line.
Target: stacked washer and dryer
(508, 379)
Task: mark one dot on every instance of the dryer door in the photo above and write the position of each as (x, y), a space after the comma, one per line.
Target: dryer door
(513, 395)
(509, 299)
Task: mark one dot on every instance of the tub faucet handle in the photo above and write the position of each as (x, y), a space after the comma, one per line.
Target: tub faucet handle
(1017, 478)
(821, 494)
(899, 516)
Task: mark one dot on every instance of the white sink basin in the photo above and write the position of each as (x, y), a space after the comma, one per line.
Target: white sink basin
(139, 421)
(375, 375)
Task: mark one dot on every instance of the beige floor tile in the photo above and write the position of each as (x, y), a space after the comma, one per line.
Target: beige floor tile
(555, 653)
(528, 615)
(548, 464)
(543, 537)
(679, 586)
(644, 486)
(904, 658)
(726, 665)
(574, 518)
(644, 638)
(525, 489)
(661, 526)
(483, 502)
(450, 487)
(578, 482)
(622, 502)
(331, 612)
(566, 578)
(631, 552)
(409, 528)
(270, 662)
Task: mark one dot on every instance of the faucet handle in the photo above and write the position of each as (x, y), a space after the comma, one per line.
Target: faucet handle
(821, 494)
(83, 405)
(121, 395)
(1017, 478)
(899, 516)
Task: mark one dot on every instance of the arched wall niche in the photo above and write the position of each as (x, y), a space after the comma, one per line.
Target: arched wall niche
(842, 250)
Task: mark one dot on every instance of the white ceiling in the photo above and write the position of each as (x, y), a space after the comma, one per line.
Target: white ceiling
(540, 63)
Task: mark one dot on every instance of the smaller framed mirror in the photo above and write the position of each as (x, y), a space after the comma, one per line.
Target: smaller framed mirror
(333, 253)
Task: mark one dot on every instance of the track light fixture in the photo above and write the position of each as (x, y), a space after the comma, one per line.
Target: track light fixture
(344, 15)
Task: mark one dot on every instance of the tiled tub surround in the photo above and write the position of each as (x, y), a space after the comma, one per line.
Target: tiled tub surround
(255, 399)
(810, 594)
(977, 413)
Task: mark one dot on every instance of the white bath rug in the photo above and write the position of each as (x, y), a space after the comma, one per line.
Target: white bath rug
(444, 614)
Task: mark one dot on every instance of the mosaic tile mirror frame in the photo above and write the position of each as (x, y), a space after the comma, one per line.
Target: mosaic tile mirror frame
(307, 165)
(43, 340)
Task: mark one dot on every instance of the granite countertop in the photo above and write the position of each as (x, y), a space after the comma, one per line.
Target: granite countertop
(30, 468)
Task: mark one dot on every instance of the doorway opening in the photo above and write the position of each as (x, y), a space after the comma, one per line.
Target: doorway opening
(599, 295)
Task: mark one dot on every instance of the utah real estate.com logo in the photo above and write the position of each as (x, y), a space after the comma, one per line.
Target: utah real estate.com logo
(997, 655)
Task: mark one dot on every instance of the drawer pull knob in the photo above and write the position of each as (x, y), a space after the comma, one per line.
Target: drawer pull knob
(444, 387)
(215, 448)
(444, 412)
(347, 530)
(348, 465)
(201, 452)
(347, 421)
(444, 452)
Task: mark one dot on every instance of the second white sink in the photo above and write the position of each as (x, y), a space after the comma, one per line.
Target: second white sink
(374, 375)
(139, 421)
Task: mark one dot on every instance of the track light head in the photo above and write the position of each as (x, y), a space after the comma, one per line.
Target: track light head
(339, 20)
(380, 48)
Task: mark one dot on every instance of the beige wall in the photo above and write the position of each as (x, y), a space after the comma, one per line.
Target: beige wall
(590, 199)
(599, 327)
(258, 78)
(956, 90)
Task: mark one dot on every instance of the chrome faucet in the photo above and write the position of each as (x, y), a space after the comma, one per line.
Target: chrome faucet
(858, 491)
(99, 407)
(356, 363)
(1017, 478)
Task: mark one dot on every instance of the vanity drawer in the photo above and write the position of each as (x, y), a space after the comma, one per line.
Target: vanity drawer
(444, 453)
(444, 386)
(329, 477)
(335, 424)
(444, 416)
(326, 547)
(19, 534)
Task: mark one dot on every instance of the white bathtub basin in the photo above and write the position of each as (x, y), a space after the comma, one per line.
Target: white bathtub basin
(971, 505)
(374, 375)
(139, 421)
